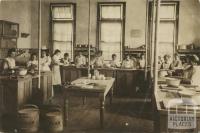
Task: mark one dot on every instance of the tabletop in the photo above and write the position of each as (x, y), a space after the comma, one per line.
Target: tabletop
(85, 84)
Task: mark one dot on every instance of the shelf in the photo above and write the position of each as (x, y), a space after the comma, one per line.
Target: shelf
(84, 49)
(8, 36)
(9, 33)
(135, 50)
(189, 51)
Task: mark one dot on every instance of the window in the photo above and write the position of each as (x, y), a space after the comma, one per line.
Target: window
(168, 28)
(63, 27)
(111, 29)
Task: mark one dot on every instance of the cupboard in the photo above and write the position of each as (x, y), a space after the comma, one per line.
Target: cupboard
(9, 33)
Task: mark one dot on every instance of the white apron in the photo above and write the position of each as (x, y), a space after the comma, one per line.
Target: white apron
(45, 63)
(10, 62)
(56, 70)
(195, 76)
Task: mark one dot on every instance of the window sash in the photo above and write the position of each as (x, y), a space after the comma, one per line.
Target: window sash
(63, 28)
(168, 29)
(111, 12)
(111, 30)
(64, 47)
(168, 12)
(63, 31)
(62, 12)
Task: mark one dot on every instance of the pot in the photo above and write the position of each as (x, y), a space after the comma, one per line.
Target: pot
(173, 82)
(182, 47)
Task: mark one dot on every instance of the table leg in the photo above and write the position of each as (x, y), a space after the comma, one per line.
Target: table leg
(102, 102)
(66, 111)
(111, 95)
(84, 100)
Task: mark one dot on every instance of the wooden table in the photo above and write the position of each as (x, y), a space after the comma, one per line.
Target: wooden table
(15, 92)
(161, 113)
(42, 95)
(78, 88)
(129, 82)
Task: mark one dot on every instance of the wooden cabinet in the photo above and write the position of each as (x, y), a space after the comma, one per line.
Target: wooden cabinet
(43, 94)
(84, 50)
(107, 72)
(131, 83)
(70, 73)
(9, 32)
(16, 92)
(125, 83)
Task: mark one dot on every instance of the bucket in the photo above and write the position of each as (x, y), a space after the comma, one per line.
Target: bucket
(28, 119)
(52, 118)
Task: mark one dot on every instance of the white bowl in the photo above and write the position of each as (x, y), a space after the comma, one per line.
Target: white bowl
(173, 82)
(22, 72)
(162, 73)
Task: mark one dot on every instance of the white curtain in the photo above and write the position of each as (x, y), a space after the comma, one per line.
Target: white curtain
(167, 29)
(110, 42)
(166, 38)
(62, 31)
(111, 32)
(168, 12)
(64, 47)
(64, 12)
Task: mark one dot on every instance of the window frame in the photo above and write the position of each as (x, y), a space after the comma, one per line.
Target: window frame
(175, 21)
(122, 20)
(73, 21)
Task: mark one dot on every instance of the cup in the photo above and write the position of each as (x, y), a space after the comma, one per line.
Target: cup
(89, 76)
(93, 77)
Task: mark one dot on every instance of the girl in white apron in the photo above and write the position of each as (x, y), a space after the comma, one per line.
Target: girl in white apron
(193, 71)
(45, 61)
(9, 62)
(56, 69)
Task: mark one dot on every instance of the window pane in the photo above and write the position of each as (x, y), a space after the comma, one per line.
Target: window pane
(64, 12)
(166, 32)
(63, 47)
(109, 49)
(168, 11)
(62, 31)
(111, 11)
(165, 48)
(111, 32)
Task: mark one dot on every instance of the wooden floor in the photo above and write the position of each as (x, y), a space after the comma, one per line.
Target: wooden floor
(125, 115)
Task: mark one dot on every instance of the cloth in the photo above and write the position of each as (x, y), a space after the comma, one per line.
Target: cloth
(195, 75)
(80, 60)
(166, 65)
(45, 63)
(177, 63)
(10, 62)
(66, 62)
(141, 63)
(98, 61)
(114, 63)
(56, 70)
(32, 64)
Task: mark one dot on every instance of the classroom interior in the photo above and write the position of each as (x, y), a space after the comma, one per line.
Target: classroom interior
(129, 96)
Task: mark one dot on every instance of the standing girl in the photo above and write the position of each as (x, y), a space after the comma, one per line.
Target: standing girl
(56, 69)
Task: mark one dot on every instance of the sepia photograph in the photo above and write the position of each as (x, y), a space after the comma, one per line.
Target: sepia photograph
(99, 66)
